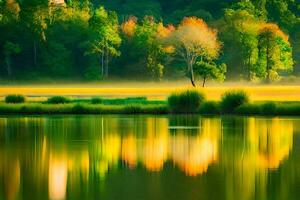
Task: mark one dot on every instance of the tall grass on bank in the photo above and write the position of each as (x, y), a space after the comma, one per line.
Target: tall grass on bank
(232, 100)
(185, 102)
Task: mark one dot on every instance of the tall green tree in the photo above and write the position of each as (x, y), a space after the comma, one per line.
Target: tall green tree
(106, 38)
(34, 16)
(239, 32)
(275, 52)
(10, 49)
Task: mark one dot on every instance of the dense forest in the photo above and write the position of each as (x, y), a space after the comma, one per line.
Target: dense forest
(255, 40)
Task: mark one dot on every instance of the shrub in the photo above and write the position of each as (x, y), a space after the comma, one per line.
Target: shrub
(268, 108)
(133, 109)
(79, 109)
(96, 100)
(210, 108)
(58, 100)
(232, 100)
(15, 98)
(185, 102)
(248, 109)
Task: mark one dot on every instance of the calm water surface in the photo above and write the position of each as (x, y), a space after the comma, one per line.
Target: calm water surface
(149, 157)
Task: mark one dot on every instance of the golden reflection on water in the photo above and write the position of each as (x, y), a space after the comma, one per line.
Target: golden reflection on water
(265, 145)
(192, 145)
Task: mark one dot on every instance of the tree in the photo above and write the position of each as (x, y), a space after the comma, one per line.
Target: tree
(10, 49)
(34, 16)
(193, 40)
(106, 38)
(147, 38)
(275, 52)
(239, 32)
(210, 70)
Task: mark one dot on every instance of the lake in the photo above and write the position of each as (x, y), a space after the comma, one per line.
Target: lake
(118, 157)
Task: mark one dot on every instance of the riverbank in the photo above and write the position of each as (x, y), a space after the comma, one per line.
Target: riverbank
(207, 108)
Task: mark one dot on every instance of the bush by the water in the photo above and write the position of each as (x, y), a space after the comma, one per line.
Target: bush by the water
(96, 100)
(232, 100)
(186, 102)
(58, 100)
(268, 108)
(15, 98)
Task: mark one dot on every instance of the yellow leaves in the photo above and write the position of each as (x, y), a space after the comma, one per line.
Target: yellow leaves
(128, 27)
(196, 36)
(194, 21)
(13, 6)
(169, 49)
(164, 32)
(274, 30)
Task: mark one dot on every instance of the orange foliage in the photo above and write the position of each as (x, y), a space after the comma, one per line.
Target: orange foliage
(273, 29)
(128, 27)
(164, 32)
(13, 6)
(196, 35)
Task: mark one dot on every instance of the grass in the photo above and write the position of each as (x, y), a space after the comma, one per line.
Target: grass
(152, 91)
(269, 108)
(185, 102)
(207, 108)
(75, 108)
(141, 105)
(233, 99)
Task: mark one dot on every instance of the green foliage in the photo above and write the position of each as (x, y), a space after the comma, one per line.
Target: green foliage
(210, 108)
(268, 108)
(82, 39)
(186, 102)
(275, 52)
(105, 37)
(80, 108)
(96, 100)
(15, 98)
(210, 71)
(232, 100)
(58, 100)
(239, 33)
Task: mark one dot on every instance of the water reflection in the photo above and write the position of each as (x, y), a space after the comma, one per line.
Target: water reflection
(64, 157)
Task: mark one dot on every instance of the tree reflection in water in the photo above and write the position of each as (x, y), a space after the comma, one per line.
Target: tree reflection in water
(67, 154)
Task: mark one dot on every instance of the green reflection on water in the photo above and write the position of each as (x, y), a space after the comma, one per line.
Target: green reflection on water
(148, 157)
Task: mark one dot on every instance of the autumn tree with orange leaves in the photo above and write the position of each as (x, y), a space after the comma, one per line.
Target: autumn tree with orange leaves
(275, 51)
(194, 41)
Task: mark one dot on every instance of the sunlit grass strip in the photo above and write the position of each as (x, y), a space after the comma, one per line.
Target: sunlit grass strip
(257, 93)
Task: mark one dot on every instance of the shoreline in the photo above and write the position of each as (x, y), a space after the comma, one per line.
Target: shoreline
(251, 109)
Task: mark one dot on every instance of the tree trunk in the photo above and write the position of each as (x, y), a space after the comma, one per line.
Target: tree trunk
(192, 77)
(102, 63)
(204, 81)
(106, 71)
(249, 68)
(8, 66)
(268, 62)
(34, 53)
